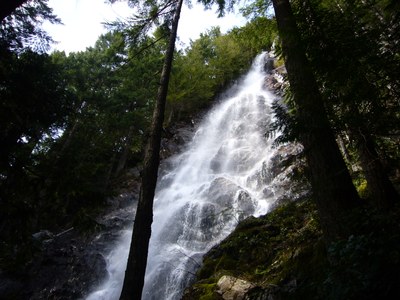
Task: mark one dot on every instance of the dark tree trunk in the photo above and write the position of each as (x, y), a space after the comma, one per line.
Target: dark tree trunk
(8, 6)
(331, 183)
(125, 152)
(69, 137)
(381, 190)
(137, 260)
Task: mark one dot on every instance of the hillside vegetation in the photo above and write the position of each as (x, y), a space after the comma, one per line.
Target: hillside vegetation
(282, 255)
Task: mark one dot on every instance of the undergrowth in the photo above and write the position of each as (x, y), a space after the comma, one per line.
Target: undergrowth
(284, 254)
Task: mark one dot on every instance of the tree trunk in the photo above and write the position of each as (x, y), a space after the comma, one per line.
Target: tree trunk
(345, 152)
(8, 6)
(69, 137)
(125, 152)
(331, 183)
(137, 260)
(381, 190)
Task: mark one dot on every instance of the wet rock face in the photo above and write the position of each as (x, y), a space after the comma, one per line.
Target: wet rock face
(69, 263)
(269, 65)
(275, 80)
(66, 269)
(175, 138)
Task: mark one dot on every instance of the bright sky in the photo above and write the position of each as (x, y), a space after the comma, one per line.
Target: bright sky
(82, 22)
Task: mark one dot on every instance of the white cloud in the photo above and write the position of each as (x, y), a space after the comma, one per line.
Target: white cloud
(83, 22)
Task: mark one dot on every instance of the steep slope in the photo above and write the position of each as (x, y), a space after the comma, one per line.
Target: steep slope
(282, 256)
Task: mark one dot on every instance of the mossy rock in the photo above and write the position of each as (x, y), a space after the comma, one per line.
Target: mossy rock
(284, 254)
(202, 291)
(263, 250)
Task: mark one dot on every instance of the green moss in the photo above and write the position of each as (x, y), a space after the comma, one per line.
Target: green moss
(264, 250)
(284, 252)
(202, 290)
(279, 62)
(362, 188)
(208, 291)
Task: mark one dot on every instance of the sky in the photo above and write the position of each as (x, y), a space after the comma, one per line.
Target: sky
(83, 22)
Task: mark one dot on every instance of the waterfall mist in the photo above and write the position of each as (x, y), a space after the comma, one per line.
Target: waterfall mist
(221, 178)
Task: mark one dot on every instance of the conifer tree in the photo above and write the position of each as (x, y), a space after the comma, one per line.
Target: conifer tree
(137, 260)
(8, 6)
(331, 183)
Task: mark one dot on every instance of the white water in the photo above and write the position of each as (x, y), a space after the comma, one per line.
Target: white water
(221, 178)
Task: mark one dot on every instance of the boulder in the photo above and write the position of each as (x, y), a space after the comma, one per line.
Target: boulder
(231, 288)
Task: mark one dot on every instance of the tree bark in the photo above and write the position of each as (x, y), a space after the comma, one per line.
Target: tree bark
(381, 190)
(137, 260)
(345, 152)
(8, 6)
(125, 151)
(331, 183)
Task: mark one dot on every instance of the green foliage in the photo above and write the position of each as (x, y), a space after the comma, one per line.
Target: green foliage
(22, 29)
(34, 103)
(258, 34)
(257, 8)
(197, 76)
(209, 291)
(113, 95)
(33, 99)
(366, 265)
(362, 47)
(212, 63)
(223, 5)
(65, 122)
(285, 122)
(148, 14)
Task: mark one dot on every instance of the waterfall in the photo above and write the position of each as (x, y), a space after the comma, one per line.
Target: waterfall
(221, 178)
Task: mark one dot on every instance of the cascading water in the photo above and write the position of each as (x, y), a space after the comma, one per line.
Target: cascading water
(221, 178)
